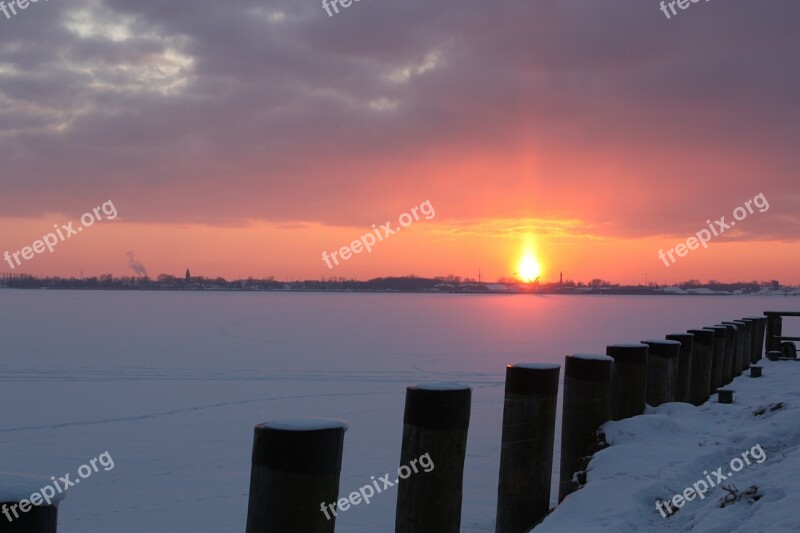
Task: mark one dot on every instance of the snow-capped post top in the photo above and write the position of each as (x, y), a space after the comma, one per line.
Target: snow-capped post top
(15, 487)
(441, 386)
(532, 379)
(738, 325)
(627, 354)
(663, 347)
(442, 405)
(719, 331)
(680, 337)
(306, 424)
(300, 445)
(537, 366)
(589, 367)
(628, 346)
(661, 342)
(590, 357)
(702, 336)
(295, 472)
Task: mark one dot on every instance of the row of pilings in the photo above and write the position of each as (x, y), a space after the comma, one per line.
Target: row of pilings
(296, 464)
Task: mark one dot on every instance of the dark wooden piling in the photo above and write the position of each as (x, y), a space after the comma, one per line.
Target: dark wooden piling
(744, 350)
(774, 330)
(38, 519)
(526, 451)
(718, 355)
(748, 341)
(295, 475)
(738, 346)
(730, 353)
(31, 504)
(702, 361)
(788, 350)
(751, 338)
(629, 379)
(759, 325)
(683, 389)
(662, 370)
(436, 422)
(762, 326)
(587, 406)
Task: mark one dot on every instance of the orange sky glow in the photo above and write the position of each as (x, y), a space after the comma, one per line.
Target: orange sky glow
(250, 148)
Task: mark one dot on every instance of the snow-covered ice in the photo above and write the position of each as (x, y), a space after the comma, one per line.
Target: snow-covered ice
(172, 384)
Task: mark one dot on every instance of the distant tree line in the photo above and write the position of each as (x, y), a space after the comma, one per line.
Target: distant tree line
(410, 283)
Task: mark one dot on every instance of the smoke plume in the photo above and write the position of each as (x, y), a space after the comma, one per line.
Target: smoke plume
(135, 265)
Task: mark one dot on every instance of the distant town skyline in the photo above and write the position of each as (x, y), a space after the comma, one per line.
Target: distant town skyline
(187, 278)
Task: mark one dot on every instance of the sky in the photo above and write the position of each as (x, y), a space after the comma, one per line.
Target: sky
(247, 138)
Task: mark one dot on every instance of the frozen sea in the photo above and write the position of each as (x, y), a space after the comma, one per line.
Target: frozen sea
(172, 383)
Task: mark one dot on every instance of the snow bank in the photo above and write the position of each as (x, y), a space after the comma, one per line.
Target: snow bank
(662, 453)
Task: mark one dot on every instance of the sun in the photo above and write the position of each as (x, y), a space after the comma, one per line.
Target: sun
(529, 269)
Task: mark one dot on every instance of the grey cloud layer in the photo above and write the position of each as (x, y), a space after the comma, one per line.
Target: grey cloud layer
(223, 111)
